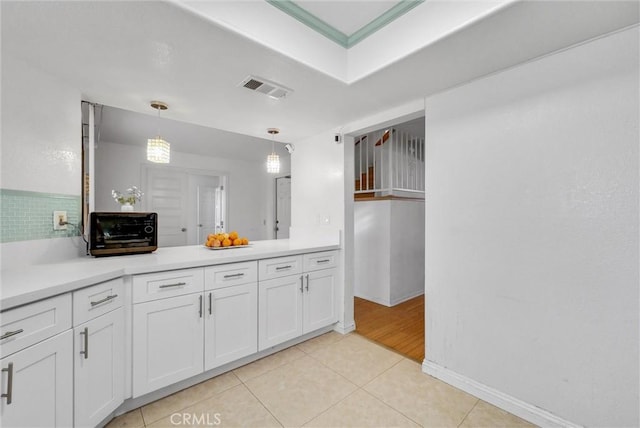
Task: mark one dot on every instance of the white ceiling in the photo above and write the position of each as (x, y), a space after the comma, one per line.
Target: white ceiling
(125, 54)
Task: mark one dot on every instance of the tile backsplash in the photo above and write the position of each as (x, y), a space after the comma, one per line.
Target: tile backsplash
(28, 215)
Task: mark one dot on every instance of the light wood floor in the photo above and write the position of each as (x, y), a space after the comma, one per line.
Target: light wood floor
(400, 327)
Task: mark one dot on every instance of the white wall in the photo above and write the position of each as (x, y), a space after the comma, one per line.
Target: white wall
(40, 151)
(389, 250)
(318, 202)
(532, 232)
(250, 188)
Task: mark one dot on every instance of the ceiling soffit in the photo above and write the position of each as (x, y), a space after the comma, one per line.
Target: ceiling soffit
(332, 33)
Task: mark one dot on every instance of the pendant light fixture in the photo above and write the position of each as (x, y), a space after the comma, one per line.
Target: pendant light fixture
(158, 150)
(273, 160)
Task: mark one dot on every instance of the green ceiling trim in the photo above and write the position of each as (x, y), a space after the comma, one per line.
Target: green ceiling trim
(392, 14)
(337, 36)
(310, 20)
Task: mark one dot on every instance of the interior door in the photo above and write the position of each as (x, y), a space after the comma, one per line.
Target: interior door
(167, 195)
(283, 207)
(207, 193)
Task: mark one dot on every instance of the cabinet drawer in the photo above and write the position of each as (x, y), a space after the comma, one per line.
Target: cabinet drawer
(279, 267)
(30, 324)
(230, 274)
(160, 285)
(322, 260)
(96, 300)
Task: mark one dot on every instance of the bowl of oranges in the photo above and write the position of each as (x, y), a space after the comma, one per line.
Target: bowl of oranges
(224, 241)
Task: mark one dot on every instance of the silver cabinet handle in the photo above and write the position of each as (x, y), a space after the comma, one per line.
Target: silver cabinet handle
(10, 333)
(9, 393)
(235, 275)
(177, 284)
(283, 267)
(106, 299)
(85, 332)
(323, 261)
(200, 297)
(301, 283)
(210, 304)
(307, 282)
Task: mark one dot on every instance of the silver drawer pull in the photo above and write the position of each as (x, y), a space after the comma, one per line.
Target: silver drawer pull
(177, 284)
(10, 333)
(323, 261)
(235, 275)
(106, 299)
(85, 333)
(9, 393)
(284, 267)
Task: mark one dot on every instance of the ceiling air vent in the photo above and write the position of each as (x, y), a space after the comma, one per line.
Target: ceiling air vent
(264, 86)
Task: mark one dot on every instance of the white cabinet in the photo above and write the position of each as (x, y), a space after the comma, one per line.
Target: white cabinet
(231, 327)
(36, 381)
(293, 302)
(167, 341)
(98, 352)
(280, 310)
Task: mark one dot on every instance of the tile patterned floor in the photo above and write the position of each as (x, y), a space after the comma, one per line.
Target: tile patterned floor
(330, 381)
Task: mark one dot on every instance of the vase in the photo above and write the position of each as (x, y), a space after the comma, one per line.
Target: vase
(126, 207)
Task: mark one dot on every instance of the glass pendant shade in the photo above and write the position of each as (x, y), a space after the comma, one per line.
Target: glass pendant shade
(158, 150)
(273, 163)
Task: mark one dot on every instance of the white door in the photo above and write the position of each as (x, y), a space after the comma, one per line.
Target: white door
(283, 207)
(206, 207)
(99, 369)
(41, 385)
(231, 328)
(280, 310)
(167, 342)
(167, 195)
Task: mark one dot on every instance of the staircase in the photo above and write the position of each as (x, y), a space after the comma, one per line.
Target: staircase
(365, 182)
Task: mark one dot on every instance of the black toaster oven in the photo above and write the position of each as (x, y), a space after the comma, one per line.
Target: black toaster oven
(118, 233)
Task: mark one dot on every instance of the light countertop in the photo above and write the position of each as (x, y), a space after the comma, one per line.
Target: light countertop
(31, 283)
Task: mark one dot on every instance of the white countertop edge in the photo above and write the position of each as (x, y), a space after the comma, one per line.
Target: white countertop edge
(27, 285)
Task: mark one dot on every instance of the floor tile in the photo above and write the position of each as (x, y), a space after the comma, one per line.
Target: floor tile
(361, 409)
(485, 415)
(300, 390)
(235, 407)
(187, 397)
(357, 358)
(132, 419)
(422, 398)
(269, 363)
(320, 342)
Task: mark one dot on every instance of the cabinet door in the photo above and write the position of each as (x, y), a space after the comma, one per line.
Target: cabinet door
(320, 299)
(231, 327)
(98, 368)
(167, 342)
(41, 386)
(280, 310)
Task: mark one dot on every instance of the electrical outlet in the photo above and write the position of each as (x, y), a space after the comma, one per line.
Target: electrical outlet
(59, 220)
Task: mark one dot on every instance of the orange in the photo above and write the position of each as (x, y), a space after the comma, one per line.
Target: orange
(226, 242)
(233, 235)
(237, 241)
(245, 241)
(210, 236)
(216, 243)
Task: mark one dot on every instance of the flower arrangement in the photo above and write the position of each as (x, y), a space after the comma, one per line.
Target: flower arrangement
(132, 196)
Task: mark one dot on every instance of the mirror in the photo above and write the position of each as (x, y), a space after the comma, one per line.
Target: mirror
(216, 180)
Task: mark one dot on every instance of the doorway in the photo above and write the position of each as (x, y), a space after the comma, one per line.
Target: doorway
(190, 204)
(283, 207)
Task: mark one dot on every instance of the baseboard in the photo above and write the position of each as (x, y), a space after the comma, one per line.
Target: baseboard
(407, 297)
(345, 328)
(524, 410)
(383, 302)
